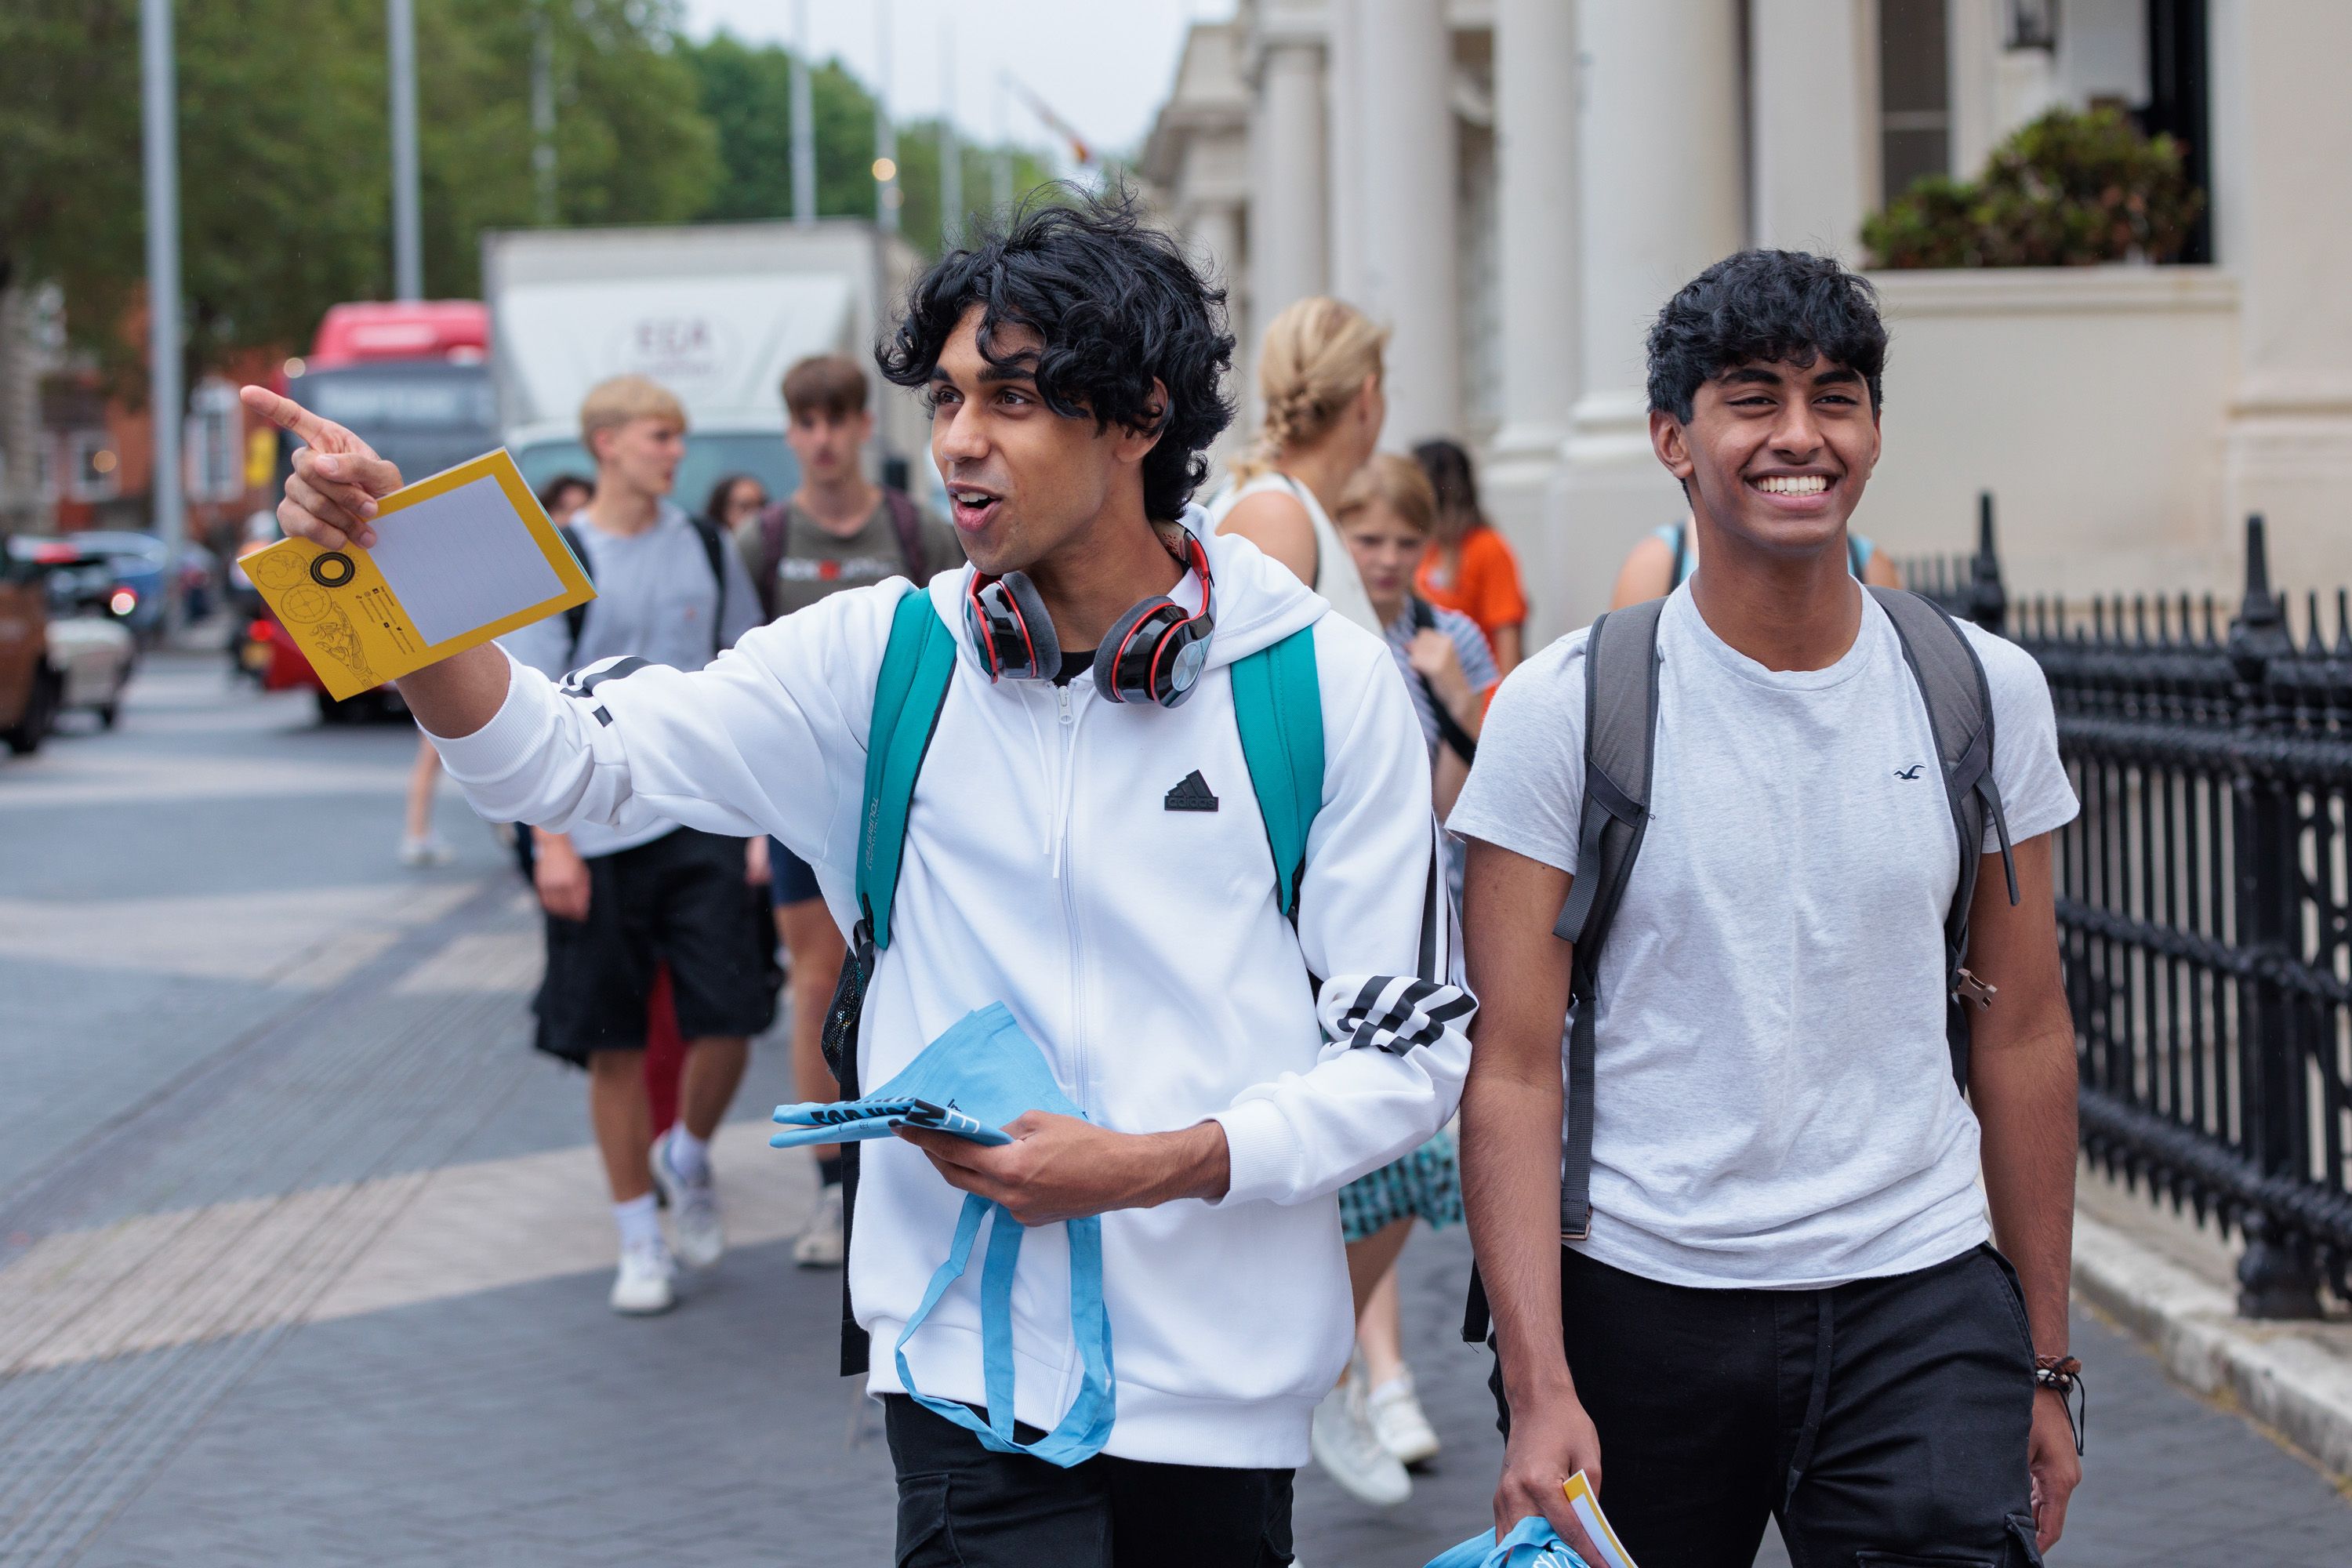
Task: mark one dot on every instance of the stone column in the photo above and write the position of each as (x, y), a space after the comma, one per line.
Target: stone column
(1344, 113)
(1813, 92)
(1405, 58)
(1286, 188)
(2283, 216)
(1536, 200)
(1659, 156)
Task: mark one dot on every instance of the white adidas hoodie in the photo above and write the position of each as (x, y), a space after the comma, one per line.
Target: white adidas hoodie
(1139, 947)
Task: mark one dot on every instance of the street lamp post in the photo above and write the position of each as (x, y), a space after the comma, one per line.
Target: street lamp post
(407, 245)
(159, 116)
(886, 135)
(804, 121)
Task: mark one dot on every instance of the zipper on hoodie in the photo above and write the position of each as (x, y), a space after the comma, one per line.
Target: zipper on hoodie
(1066, 873)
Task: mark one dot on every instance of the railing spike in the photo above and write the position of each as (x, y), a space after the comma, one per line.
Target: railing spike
(2342, 624)
(2313, 638)
(2139, 618)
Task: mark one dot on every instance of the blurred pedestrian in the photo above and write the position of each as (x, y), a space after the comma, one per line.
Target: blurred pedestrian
(734, 501)
(1076, 834)
(563, 495)
(1470, 566)
(1371, 1427)
(1751, 831)
(619, 901)
(1318, 377)
(419, 845)
(836, 529)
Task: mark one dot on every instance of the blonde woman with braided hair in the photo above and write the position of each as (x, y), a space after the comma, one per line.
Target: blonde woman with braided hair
(1318, 378)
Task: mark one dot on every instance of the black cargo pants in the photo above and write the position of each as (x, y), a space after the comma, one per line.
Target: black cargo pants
(1883, 1423)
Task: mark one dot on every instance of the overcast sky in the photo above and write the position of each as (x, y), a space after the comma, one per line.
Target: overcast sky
(1105, 66)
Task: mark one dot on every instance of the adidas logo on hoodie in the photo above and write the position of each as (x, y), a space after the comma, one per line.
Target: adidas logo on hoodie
(1191, 794)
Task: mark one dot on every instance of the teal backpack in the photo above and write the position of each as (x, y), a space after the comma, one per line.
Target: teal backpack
(1277, 708)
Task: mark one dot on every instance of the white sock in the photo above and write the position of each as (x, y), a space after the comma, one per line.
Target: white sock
(690, 1155)
(640, 1223)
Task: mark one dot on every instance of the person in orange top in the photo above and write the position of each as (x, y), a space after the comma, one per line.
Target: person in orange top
(1470, 566)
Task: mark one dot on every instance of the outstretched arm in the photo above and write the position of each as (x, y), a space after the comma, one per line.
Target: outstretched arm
(2022, 1081)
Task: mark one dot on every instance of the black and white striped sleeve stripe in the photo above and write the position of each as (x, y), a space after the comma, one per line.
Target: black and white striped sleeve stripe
(583, 682)
(1393, 1013)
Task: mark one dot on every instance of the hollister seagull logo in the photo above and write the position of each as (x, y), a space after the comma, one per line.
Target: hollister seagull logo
(1910, 772)
(1191, 794)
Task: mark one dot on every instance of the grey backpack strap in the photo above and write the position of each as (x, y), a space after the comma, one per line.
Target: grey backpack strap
(1951, 680)
(1621, 720)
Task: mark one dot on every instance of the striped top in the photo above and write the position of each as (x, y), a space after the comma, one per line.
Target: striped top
(1469, 647)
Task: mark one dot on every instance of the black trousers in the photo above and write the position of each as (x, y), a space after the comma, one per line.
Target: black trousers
(1883, 1423)
(961, 1506)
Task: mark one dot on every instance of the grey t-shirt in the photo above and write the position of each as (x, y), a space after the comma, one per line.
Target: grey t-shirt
(655, 599)
(1773, 1101)
(817, 561)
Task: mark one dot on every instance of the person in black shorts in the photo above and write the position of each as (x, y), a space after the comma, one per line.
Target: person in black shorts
(619, 905)
(839, 530)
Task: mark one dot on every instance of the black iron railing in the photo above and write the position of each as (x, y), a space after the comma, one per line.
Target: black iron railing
(2205, 902)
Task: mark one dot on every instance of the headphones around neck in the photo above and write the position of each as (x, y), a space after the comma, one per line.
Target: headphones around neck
(1154, 653)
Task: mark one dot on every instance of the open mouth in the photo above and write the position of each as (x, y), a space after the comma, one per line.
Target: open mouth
(972, 507)
(1796, 488)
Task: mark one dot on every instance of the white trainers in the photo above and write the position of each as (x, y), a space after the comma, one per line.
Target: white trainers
(693, 1208)
(1396, 1416)
(647, 1282)
(1350, 1450)
(820, 1245)
(421, 852)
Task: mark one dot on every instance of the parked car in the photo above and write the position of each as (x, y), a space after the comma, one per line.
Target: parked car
(91, 654)
(130, 565)
(28, 684)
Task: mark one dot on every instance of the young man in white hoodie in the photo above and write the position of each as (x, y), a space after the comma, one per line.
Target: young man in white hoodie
(1087, 852)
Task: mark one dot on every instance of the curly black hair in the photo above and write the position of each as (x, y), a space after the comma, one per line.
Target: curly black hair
(1769, 305)
(1118, 305)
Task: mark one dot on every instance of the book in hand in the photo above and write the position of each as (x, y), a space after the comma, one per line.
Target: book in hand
(460, 558)
(1587, 1506)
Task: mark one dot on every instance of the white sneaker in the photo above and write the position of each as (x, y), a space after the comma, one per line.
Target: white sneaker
(820, 1245)
(693, 1208)
(647, 1282)
(1396, 1416)
(1350, 1452)
(425, 852)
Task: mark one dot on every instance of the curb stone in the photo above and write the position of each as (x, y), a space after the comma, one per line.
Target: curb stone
(2191, 1323)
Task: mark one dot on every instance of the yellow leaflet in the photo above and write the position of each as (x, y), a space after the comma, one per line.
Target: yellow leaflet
(1587, 1506)
(460, 558)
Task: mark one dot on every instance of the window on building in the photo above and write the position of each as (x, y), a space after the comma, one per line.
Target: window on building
(211, 440)
(93, 467)
(1914, 94)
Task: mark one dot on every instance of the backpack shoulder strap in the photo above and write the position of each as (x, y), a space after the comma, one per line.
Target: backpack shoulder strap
(908, 527)
(576, 617)
(1278, 707)
(917, 666)
(714, 550)
(775, 540)
(1682, 555)
(1620, 719)
(1449, 729)
(1951, 682)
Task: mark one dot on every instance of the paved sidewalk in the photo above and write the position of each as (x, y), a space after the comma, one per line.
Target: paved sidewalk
(306, 1260)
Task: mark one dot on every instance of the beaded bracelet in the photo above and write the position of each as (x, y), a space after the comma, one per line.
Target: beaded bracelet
(2062, 1375)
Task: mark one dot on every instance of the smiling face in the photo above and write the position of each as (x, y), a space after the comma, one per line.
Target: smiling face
(1775, 454)
(1022, 482)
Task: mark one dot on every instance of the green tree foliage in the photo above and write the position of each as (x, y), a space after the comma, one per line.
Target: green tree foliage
(2067, 190)
(746, 91)
(69, 143)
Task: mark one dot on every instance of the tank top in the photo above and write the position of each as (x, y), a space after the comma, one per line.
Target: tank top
(1335, 569)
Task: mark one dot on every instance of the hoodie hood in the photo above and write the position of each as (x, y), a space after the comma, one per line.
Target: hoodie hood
(1258, 601)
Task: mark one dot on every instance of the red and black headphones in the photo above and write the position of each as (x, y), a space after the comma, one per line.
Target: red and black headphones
(1154, 653)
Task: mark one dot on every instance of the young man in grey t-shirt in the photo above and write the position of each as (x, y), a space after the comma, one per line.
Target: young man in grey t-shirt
(618, 904)
(1787, 1303)
(837, 530)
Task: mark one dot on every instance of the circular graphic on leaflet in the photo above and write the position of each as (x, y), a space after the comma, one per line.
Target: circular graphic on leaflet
(304, 604)
(332, 570)
(278, 570)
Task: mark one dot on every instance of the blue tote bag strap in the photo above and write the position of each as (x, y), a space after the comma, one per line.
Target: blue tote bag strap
(1086, 1427)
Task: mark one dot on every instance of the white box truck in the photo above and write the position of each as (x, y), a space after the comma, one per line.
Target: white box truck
(716, 313)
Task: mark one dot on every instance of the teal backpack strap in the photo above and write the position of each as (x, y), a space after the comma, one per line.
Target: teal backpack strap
(1279, 706)
(916, 668)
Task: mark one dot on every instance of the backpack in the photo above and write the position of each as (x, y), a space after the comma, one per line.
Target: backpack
(1621, 716)
(775, 543)
(1277, 708)
(1449, 729)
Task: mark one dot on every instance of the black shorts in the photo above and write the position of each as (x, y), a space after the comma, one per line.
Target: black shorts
(791, 880)
(962, 1506)
(680, 901)
(1881, 1421)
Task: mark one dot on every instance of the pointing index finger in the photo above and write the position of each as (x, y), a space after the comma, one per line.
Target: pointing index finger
(292, 417)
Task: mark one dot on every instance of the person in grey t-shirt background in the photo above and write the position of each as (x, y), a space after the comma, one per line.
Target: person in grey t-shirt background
(1788, 1303)
(668, 591)
(837, 530)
